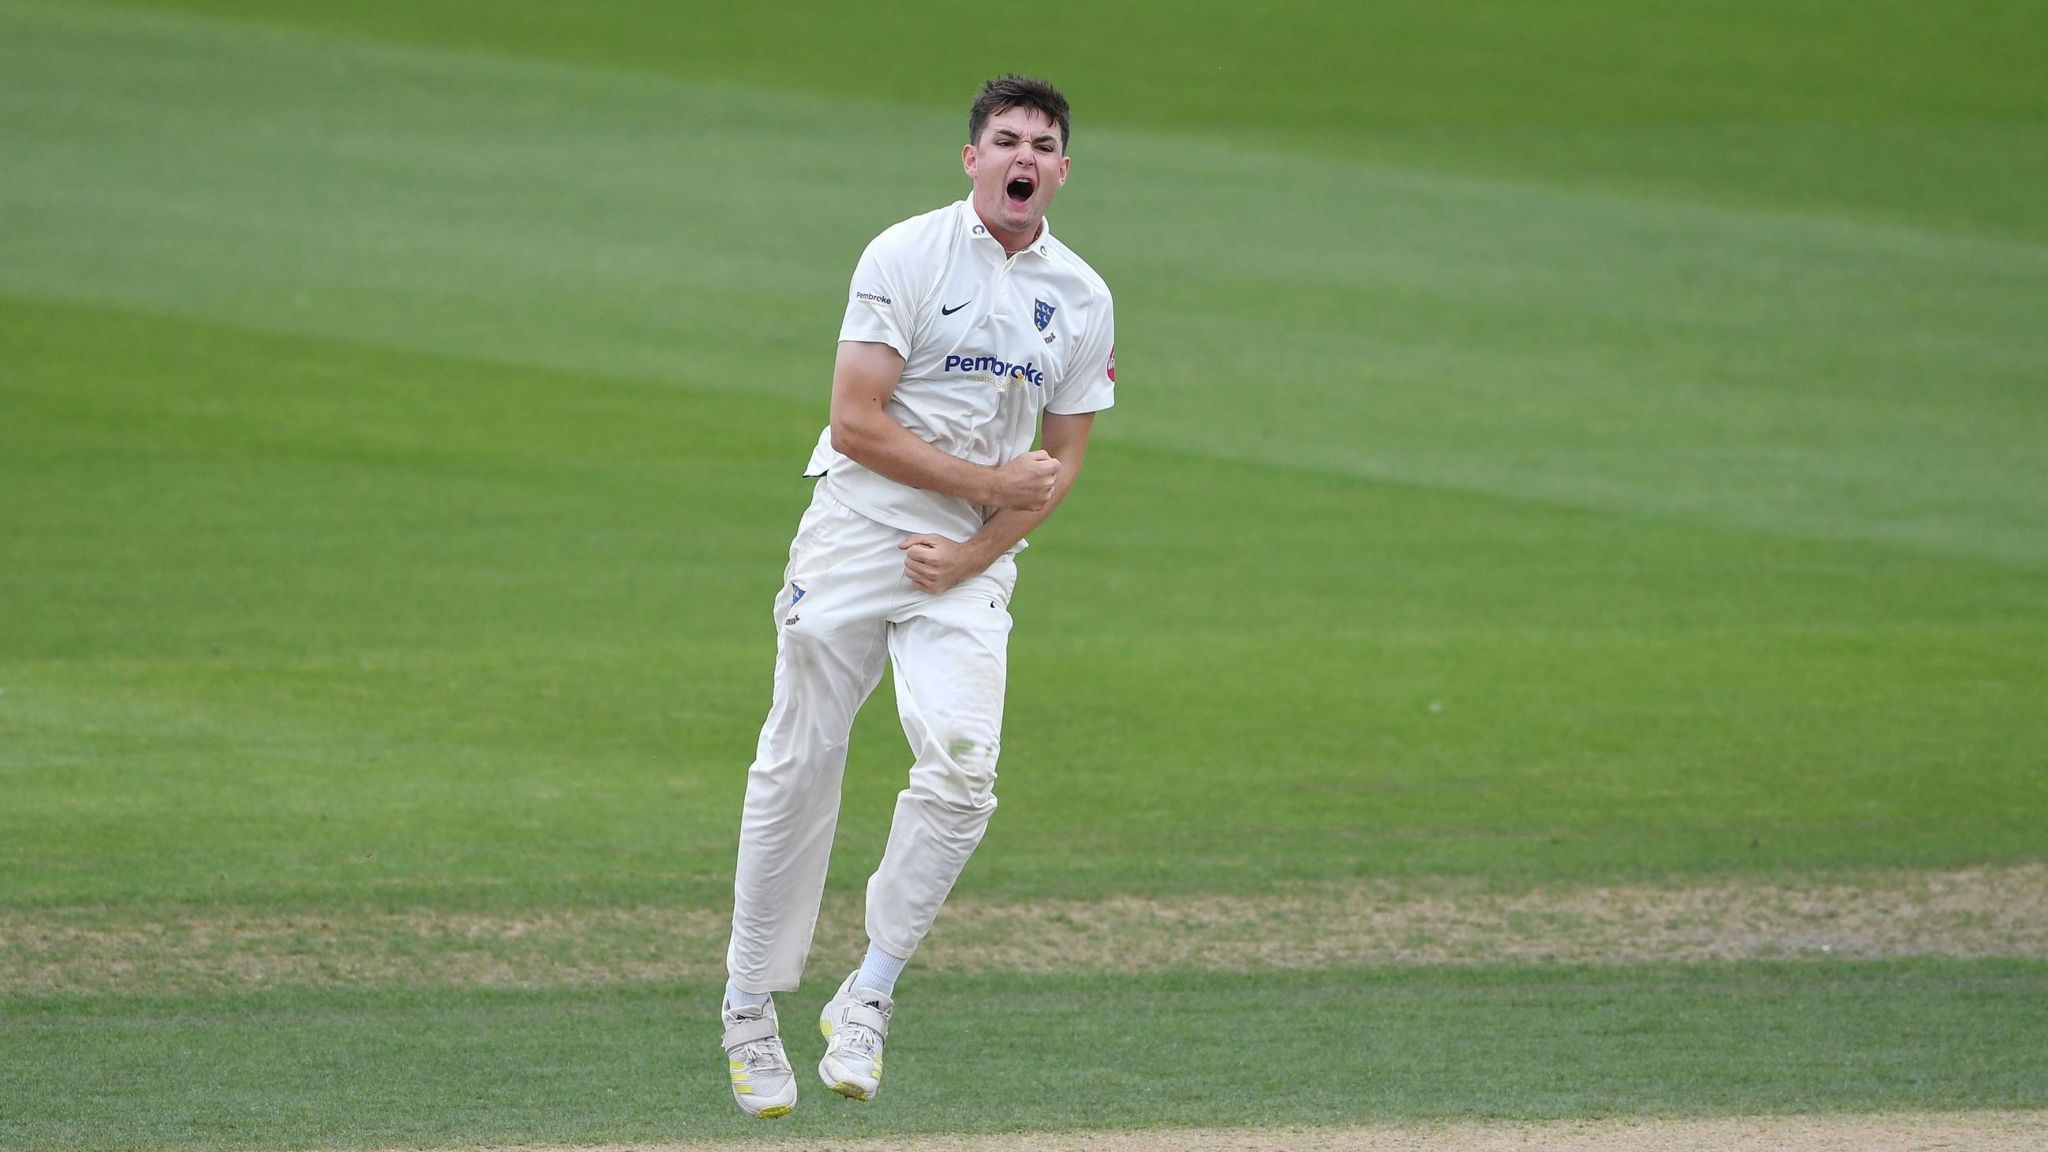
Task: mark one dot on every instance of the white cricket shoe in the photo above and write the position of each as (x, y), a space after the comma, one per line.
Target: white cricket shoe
(763, 1083)
(856, 1024)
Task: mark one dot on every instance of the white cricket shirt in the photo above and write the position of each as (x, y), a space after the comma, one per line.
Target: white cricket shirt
(988, 341)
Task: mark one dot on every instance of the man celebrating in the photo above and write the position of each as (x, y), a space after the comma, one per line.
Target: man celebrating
(963, 327)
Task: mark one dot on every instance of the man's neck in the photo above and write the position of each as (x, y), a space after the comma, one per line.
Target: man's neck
(1012, 242)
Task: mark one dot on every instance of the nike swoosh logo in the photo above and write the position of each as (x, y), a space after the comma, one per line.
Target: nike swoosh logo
(945, 311)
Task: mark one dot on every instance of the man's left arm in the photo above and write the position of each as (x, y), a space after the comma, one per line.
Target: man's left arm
(936, 563)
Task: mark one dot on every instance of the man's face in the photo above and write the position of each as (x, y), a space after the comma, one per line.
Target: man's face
(1016, 167)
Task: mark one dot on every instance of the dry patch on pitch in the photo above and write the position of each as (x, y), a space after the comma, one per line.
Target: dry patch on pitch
(1963, 914)
(1967, 914)
(1902, 1132)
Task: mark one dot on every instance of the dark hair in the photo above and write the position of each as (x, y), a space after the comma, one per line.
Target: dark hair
(1014, 91)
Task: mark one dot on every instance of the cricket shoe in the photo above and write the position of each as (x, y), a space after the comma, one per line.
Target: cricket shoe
(856, 1024)
(763, 1083)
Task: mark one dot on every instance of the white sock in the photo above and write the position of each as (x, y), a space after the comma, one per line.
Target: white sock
(738, 999)
(879, 971)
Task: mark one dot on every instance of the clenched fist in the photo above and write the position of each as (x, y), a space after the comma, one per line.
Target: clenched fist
(1026, 482)
(936, 563)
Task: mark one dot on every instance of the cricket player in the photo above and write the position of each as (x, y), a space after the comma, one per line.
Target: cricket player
(969, 330)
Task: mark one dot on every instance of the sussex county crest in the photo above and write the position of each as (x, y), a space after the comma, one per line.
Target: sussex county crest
(1042, 314)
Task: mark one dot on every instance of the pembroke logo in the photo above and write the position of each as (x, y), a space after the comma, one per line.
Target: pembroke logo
(1042, 314)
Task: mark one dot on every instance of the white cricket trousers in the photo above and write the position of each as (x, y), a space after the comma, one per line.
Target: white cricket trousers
(845, 603)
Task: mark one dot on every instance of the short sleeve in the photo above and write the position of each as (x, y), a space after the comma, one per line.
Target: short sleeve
(1089, 384)
(879, 309)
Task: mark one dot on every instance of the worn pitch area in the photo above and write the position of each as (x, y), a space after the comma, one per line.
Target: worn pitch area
(1900, 1132)
(1872, 915)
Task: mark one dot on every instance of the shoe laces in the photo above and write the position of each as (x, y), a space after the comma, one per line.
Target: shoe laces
(762, 1056)
(860, 1037)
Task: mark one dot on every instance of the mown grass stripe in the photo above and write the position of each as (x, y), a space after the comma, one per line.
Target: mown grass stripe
(323, 1068)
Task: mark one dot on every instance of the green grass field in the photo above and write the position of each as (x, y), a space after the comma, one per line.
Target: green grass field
(1559, 445)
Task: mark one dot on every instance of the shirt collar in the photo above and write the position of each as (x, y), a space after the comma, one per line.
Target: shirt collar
(976, 231)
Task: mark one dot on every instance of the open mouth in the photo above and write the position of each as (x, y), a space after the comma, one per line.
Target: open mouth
(1019, 190)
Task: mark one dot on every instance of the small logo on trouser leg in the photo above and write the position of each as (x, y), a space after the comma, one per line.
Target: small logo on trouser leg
(796, 593)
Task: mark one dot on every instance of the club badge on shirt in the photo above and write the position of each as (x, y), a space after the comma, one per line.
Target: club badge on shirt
(1042, 314)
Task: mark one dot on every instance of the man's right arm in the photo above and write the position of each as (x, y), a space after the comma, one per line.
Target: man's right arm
(864, 377)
